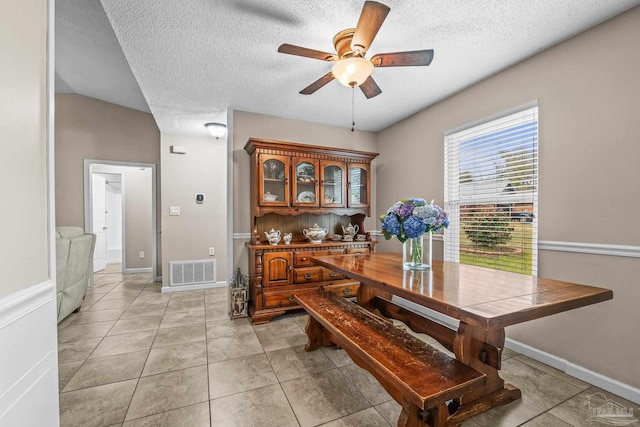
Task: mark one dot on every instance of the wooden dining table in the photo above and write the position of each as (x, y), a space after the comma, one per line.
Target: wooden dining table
(483, 300)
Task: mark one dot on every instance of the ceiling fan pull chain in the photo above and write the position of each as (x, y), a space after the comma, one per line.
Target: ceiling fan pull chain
(353, 108)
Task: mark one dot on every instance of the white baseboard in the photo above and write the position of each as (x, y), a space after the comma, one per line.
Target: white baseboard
(137, 270)
(609, 384)
(114, 256)
(193, 287)
(29, 357)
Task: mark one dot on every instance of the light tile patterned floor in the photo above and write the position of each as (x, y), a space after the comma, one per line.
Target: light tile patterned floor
(136, 357)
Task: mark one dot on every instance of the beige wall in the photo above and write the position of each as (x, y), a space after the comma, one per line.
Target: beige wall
(87, 128)
(246, 125)
(138, 214)
(202, 170)
(588, 94)
(23, 124)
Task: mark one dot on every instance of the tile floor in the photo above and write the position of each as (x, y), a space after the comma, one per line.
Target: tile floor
(136, 357)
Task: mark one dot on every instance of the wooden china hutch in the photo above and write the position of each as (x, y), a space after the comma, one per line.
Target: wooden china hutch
(295, 187)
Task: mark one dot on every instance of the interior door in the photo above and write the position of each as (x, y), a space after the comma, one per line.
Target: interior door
(99, 221)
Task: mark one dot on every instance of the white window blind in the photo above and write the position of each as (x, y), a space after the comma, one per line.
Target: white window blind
(491, 193)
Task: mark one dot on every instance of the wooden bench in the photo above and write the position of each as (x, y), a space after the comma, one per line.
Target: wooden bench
(419, 377)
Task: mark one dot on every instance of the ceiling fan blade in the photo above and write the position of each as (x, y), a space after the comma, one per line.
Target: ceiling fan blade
(307, 53)
(402, 59)
(370, 88)
(371, 19)
(317, 84)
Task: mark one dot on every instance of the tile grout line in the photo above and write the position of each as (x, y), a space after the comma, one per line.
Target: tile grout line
(206, 349)
(145, 361)
(87, 358)
(101, 340)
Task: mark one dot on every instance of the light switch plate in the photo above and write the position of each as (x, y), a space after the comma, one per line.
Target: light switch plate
(174, 210)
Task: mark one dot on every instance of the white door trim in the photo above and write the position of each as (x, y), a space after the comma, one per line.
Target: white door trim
(52, 396)
(88, 163)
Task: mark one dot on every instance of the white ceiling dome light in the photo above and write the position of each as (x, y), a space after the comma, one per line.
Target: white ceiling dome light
(216, 129)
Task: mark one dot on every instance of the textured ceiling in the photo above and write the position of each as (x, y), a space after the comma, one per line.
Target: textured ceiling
(193, 59)
(89, 60)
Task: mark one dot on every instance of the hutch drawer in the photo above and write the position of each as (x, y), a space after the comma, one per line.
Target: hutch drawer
(303, 258)
(307, 274)
(284, 297)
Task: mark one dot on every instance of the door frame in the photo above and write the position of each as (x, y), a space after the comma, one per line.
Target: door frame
(88, 163)
(95, 176)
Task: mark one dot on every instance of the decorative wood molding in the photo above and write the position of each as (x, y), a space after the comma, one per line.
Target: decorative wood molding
(590, 248)
(271, 146)
(241, 236)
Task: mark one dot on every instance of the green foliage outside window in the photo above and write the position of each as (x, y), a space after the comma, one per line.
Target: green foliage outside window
(488, 229)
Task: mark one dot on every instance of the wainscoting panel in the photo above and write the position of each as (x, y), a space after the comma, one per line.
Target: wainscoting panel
(29, 359)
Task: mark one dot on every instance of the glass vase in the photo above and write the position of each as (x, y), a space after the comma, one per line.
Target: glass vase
(416, 253)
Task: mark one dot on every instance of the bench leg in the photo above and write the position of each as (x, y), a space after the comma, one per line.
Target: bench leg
(317, 336)
(413, 416)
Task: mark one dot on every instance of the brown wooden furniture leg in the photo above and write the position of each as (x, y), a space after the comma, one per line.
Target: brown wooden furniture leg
(317, 335)
(413, 416)
(264, 317)
(367, 295)
(469, 346)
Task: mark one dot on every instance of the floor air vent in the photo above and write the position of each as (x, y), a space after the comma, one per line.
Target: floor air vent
(192, 272)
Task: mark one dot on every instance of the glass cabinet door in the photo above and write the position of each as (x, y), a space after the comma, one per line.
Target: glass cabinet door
(332, 184)
(358, 185)
(305, 183)
(274, 180)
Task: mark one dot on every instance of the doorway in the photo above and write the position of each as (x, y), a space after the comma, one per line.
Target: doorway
(108, 216)
(120, 209)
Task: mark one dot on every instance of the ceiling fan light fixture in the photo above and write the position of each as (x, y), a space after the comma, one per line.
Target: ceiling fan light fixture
(352, 71)
(216, 129)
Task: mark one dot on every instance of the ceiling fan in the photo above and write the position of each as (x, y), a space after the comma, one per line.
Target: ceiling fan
(351, 67)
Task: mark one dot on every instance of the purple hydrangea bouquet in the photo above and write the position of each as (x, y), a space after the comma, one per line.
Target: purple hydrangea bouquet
(408, 220)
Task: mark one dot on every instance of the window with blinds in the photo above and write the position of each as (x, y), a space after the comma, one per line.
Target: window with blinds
(491, 193)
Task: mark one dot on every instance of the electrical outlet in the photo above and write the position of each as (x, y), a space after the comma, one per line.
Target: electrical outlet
(174, 210)
(212, 251)
(141, 254)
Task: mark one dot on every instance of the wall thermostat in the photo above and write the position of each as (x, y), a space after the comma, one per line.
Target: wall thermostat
(200, 198)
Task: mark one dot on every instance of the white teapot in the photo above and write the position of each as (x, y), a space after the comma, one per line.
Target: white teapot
(273, 236)
(350, 230)
(315, 234)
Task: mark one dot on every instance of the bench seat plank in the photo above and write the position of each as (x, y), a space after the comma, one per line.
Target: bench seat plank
(426, 376)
